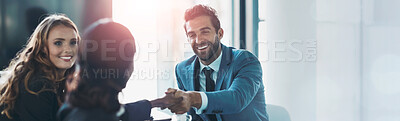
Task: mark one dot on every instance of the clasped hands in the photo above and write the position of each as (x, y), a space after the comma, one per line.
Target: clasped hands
(178, 101)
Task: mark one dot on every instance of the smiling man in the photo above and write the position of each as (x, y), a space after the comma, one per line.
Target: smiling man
(218, 83)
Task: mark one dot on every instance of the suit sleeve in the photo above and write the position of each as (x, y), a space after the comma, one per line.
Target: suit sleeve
(137, 111)
(246, 82)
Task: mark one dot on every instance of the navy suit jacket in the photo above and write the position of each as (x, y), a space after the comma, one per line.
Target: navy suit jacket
(239, 94)
(136, 111)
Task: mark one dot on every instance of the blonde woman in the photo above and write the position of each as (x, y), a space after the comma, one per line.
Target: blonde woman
(32, 86)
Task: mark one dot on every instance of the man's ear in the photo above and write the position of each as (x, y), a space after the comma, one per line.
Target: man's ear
(220, 33)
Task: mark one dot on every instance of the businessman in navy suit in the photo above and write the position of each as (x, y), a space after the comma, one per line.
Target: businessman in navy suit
(219, 83)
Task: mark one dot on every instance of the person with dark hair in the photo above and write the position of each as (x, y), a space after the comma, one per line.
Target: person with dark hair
(218, 83)
(32, 86)
(105, 66)
(33, 16)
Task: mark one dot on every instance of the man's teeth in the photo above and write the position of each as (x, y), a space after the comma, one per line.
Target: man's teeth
(205, 46)
(65, 57)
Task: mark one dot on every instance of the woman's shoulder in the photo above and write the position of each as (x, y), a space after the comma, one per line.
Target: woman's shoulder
(37, 83)
(36, 102)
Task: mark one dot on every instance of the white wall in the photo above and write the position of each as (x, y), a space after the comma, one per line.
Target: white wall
(338, 64)
(356, 75)
(381, 61)
(290, 77)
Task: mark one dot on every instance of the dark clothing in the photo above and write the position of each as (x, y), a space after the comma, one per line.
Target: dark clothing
(68, 113)
(31, 107)
(137, 111)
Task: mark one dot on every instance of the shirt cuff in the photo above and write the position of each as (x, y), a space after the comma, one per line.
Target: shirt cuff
(204, 103)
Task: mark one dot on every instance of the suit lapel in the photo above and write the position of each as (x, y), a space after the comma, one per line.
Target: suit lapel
(224, 66)
(196, 72)
(193, 72)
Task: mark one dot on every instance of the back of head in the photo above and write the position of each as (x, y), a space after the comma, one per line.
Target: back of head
(109, 47)
(106, 63)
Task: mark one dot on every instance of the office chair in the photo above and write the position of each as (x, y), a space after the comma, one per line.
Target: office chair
(277, 113)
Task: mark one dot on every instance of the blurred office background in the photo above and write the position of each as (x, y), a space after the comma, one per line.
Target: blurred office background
(323, 60)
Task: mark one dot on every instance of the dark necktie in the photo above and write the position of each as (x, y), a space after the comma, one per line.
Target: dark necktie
(210, 86)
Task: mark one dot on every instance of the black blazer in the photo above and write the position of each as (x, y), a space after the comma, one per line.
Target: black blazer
(31, 107)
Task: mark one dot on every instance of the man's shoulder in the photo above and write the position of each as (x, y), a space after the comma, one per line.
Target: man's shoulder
(186, 62)
(242, 54)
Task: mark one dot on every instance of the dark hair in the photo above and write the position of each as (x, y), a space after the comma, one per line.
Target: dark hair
(202, 10)
(106, 63)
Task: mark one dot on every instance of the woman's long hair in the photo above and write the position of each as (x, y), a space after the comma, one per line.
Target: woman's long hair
(102, 76)
(33, 59)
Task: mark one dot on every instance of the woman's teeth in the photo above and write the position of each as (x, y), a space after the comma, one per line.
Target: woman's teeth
(66, 57)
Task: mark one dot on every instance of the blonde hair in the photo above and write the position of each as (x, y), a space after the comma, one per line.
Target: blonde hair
(33, 58)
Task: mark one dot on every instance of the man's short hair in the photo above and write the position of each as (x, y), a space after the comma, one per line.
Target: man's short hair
(202, 10)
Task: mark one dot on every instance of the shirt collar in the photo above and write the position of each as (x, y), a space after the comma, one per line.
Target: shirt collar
(121, 111)
(214, 65)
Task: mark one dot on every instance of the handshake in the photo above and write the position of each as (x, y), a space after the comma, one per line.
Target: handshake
(178, 101)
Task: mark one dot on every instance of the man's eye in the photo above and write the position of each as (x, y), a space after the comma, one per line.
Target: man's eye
(206, 32)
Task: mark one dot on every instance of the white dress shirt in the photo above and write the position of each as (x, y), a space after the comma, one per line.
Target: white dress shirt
(202, 78)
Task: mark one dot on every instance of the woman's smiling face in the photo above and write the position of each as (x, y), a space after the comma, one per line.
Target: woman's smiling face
(63, 46)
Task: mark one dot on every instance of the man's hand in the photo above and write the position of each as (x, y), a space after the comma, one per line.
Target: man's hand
(166, 101)
(190, 99)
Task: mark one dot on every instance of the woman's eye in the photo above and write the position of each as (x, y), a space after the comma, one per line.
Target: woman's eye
(58, 43)
(73, 42)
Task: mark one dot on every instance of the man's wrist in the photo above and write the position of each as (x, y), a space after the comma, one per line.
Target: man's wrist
(195, 99)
